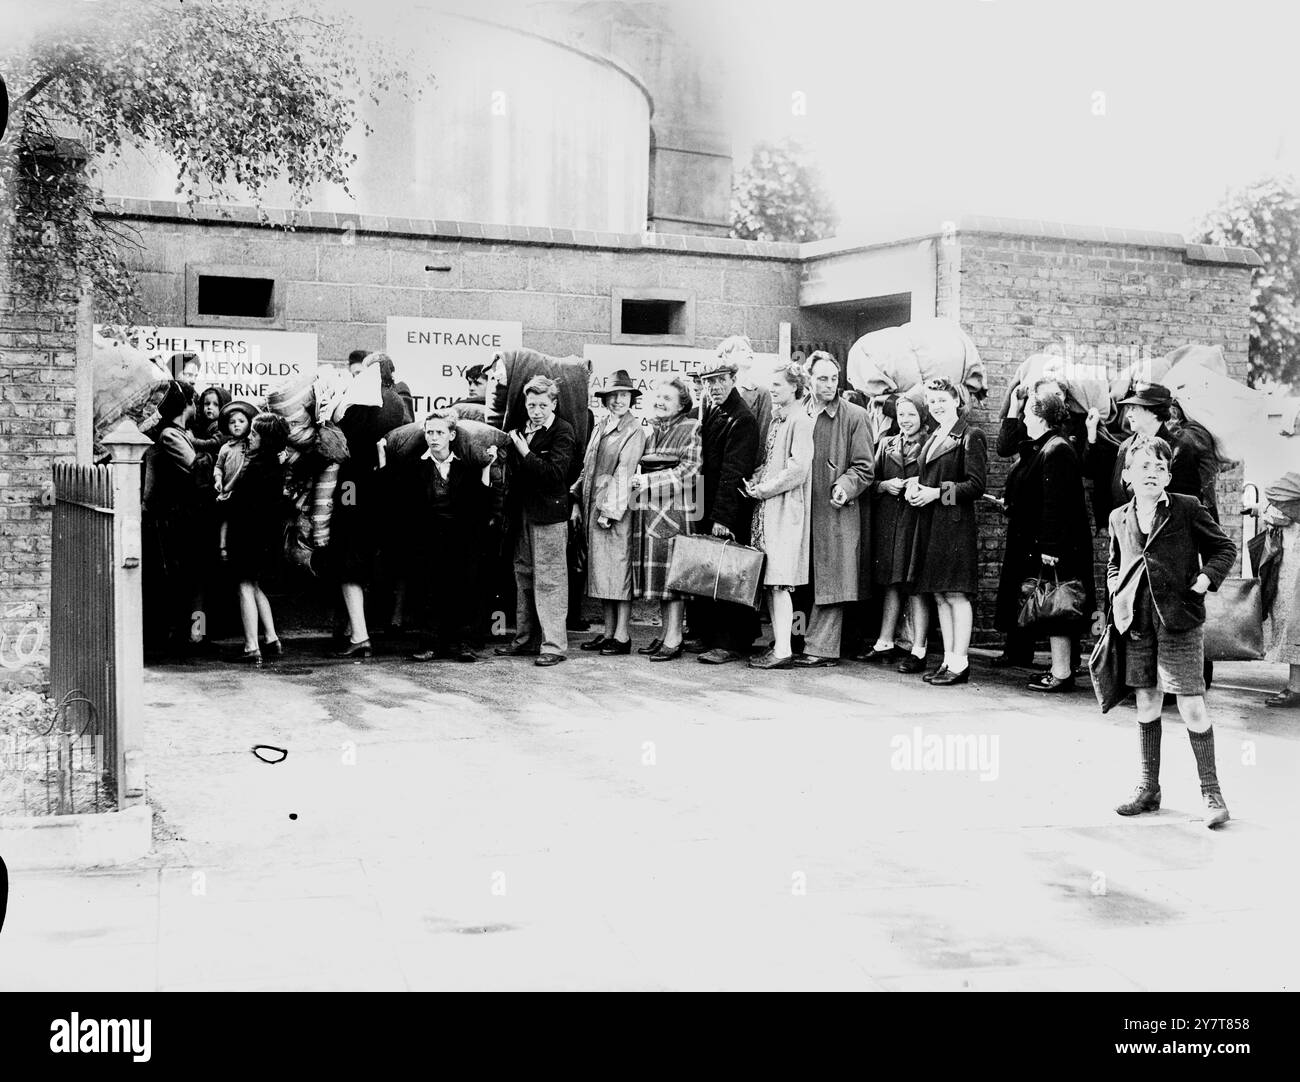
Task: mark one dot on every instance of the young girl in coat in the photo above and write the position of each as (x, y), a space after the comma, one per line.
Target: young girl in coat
(256, 518)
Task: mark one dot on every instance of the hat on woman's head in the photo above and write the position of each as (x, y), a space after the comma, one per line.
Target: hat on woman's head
(1151, 395)
(621, 382)
(230, 408)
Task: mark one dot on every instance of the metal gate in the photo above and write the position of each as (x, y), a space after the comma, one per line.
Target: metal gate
(82, 608)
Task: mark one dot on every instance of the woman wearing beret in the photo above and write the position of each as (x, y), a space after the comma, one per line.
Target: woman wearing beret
(952, 476)
(603, 493)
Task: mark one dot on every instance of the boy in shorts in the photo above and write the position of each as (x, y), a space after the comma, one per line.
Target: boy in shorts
(1166, 551)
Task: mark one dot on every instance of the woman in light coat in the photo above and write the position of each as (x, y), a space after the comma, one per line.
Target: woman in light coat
(603, 492)
(783, 488)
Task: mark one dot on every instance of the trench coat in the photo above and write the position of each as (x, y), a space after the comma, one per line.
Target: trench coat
(604, 490)
(843, 455)
(945, 551)
(784, 485)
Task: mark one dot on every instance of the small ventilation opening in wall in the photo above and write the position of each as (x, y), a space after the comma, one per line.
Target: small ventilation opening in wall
(223, 295)
(653, 317)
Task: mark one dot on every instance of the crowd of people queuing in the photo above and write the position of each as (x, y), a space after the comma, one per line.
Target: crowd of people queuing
(848, 498)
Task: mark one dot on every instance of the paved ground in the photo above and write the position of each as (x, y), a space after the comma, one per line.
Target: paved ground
(612, 824)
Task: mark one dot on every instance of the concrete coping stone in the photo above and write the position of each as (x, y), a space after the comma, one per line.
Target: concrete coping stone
(547, 236)
(1029, 227)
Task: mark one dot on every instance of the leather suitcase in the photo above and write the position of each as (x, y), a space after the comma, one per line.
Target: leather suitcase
(711, 567)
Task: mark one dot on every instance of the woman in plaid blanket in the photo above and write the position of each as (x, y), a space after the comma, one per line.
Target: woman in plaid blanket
(667, 501)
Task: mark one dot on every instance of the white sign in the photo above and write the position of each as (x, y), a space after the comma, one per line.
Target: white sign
(649, 366)
(432, 355)
(246, 363)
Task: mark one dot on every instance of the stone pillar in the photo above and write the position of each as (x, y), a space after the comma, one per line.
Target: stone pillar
(128, 446)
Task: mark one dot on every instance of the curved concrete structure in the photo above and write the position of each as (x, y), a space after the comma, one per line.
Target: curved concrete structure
(518, 129)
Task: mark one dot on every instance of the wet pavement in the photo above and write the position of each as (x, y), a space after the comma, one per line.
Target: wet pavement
(614, 824)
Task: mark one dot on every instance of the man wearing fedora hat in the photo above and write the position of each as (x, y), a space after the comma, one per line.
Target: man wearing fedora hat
(602, 509)
(729, 434)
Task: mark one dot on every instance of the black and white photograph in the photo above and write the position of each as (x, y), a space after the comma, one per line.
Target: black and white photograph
(651, 496)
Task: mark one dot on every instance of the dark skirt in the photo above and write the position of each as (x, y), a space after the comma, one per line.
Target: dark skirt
(893, 533)
(945, 550)
(356, 525)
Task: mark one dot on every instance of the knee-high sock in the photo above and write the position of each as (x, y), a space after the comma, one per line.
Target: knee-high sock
(1149, 733)
(1203, 749)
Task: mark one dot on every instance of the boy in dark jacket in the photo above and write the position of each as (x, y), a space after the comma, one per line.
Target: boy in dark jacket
(1166, 551)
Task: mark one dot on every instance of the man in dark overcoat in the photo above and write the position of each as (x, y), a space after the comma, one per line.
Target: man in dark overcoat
(723, 631)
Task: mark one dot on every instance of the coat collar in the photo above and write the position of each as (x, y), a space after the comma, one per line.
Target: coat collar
(937, 448)
(1157, 523)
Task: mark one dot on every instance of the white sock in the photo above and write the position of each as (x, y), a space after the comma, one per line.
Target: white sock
(958, 664)
(919, 650)
(881, 644)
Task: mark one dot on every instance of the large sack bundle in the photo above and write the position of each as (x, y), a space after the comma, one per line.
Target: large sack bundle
(126, 381)
(902, 358)
(1231, 411)
(296, 403)
(364, 389)
(473, 438)
(573, 374)
(322, 505)
(1154, 371)
(1091, 392)
(470, 411)
(328, 388)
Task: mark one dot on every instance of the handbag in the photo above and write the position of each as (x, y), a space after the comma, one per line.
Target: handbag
(1050, 600)
(723, 570)
(1234, 621)
(1106, 667)
(656, 461)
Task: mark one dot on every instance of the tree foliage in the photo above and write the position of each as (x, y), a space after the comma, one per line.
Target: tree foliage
(779, 196)
(1265, 216)
(238, 92)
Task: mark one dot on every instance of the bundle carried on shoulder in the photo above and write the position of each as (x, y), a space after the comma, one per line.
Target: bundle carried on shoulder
(1154, 370)
(1232, 412)
(573, 374)
(473, 438)
(901, 359)
(1089, 388)
(295, 401)
(127, 383)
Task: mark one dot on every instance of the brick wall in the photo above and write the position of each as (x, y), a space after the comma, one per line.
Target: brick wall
(344, 292)
(38, 414)
(1019, 294)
